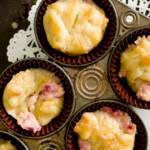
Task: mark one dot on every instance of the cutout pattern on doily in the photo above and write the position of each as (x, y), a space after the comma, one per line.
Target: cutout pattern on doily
(24, 45)
(143, 6)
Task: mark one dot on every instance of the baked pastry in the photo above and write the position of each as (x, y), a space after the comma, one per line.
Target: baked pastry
(33, 97)
(135, 66)
(74, 27)
(105, 129)
(6, 145)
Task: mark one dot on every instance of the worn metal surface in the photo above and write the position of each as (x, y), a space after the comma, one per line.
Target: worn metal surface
(95, 76)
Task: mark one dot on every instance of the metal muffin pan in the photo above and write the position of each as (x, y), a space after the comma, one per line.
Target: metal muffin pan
(95, 77)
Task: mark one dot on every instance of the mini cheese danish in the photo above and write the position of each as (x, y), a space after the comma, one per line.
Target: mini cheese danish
(105, 129)
(33, 97)
(135, 67)
(74, 27)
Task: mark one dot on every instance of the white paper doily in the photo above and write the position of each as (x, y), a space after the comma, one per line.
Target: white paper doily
(24, 45)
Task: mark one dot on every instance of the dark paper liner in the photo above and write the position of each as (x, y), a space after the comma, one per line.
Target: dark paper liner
(141, 135)
(83, 60)
(20, 145)
(120, 85)
(68, 106)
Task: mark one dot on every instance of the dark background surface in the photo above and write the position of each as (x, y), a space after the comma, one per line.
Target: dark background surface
(11, 11)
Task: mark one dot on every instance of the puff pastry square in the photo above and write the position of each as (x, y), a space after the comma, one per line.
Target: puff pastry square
(33, 97)
(74, 27)
(105, 129)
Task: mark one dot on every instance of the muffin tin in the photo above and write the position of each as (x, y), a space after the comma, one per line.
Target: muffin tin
(94, 76)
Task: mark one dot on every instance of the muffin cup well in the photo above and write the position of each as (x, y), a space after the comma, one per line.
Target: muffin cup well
(83, 60)
(68, 106)
(120, 85)
(20, 145)
(141, 138)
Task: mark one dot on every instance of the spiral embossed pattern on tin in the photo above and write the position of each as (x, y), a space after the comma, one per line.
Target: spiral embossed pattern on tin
(68, 106)
(72, 137)
(75, 61)
(120, 85)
